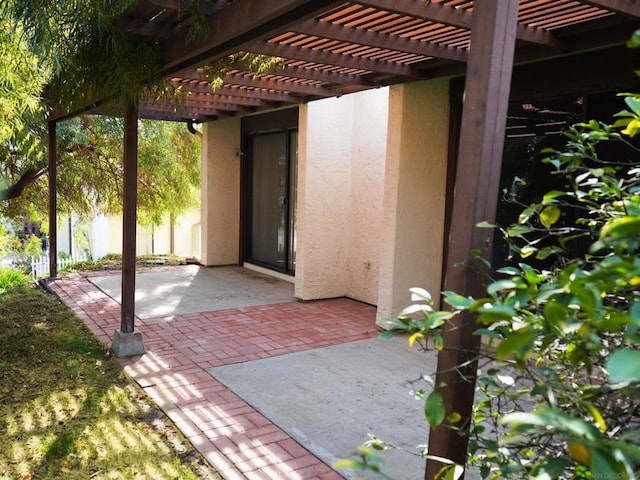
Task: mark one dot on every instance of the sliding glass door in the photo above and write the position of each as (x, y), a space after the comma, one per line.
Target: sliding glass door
(270, 200)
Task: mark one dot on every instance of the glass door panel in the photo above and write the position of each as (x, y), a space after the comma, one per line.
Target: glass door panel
(268, 183)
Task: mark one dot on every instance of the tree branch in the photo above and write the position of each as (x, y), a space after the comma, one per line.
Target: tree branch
(26, 179)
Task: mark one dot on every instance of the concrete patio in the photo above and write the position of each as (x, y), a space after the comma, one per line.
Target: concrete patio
(265, 387)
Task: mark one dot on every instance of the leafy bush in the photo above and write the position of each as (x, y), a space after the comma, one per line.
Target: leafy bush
(10, 278)
(558, 391)
(559, 388)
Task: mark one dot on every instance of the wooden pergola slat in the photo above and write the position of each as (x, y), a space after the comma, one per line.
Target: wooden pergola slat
(329, 58)
(459, 17)
(380, 40)
(624, 7)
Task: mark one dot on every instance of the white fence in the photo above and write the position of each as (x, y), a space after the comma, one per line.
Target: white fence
(40, 265)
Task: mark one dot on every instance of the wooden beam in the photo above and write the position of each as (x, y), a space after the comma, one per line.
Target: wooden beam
(458, 17)
(315, 74)
(182, 112)
(379, 40)
(279, 85)
(629, 8)
(235, 26)
(53, 205)
(271, 97)
(129, 215)
(274, 97)
(356, 63)
(481, 141)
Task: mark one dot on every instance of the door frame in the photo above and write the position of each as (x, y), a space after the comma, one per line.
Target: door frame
(273, 122)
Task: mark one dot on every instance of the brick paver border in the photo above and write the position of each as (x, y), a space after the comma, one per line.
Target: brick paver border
(236, 439)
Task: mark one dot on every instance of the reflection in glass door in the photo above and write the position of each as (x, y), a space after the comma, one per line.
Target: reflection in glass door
(271, 202)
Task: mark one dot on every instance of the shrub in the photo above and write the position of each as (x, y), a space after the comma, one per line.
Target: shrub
(10, 278)
(559, 389)
(558, 393)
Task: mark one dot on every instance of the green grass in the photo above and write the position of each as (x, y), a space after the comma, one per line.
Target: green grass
(66, 409)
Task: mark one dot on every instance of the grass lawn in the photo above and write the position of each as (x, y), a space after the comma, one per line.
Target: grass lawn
(66, 409)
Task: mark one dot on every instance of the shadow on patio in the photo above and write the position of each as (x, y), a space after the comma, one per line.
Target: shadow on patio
(264, 386)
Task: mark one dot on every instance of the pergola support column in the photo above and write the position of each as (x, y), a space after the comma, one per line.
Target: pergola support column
(127, 341)
(53, 205)
(479, 161)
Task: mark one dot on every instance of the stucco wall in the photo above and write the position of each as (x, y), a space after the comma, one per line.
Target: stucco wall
(340, 176)
(368, 153)
(414, 196)
(106, 236)
(220, 187)
(185, 242)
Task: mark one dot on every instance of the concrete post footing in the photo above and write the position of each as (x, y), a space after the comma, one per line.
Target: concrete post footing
(127, 344)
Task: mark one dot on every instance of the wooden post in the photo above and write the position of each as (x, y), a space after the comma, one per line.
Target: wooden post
(129, 218)
(127, 341)
(480, 152)
(53, 206)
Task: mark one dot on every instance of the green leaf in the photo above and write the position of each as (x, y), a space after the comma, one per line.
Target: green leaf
(509, 271)
(526, 215)
(549, 215)
(531, 275)
(389, 333)
(621, 227)
(487, 333)
(415, 308)
(401, 322)
(604, 465)
(438, 341)
(496, 287)
(420, 295)
(492, 313)
(517, 343)
(457, 301)
(485, 225)
(623, 365)
(518, 230)
(551, 196)
(450, 472)
(633, 103)
(546, 252)
(634, 41)
(555, 313)
(434, 409)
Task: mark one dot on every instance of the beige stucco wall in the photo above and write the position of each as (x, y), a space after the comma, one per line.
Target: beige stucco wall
(368, 153)
(160, 242)
(186, 236)
(220, 189)
(340, 178)
(414, 194)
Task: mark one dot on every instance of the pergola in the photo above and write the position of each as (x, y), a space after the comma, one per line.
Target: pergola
(333, 48)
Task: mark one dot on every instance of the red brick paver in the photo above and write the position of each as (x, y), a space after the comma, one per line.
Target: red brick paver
(236, 439)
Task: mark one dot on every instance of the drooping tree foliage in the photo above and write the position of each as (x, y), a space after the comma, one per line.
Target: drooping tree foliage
(85, 54)
(74, 51)
(90, 152)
